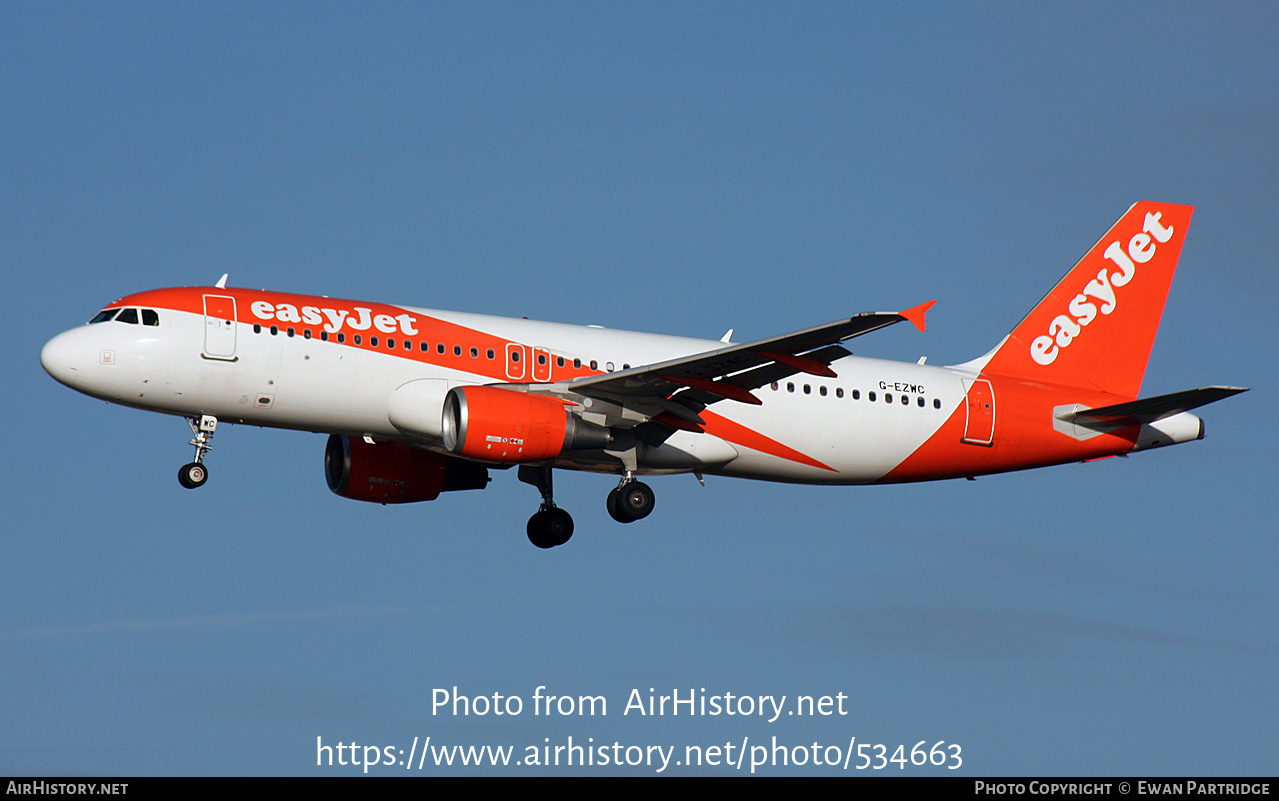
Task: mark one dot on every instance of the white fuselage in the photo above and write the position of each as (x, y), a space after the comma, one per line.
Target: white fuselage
(808, 429)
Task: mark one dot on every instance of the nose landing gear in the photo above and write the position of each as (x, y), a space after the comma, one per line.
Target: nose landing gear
(194, 474)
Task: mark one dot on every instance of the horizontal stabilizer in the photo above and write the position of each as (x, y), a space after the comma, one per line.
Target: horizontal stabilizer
(1148, 410)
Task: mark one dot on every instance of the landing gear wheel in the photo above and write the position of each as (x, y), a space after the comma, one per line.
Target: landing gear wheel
(610, 503)
(636, 500)
(550, 527)
(193, 475)
(630, 502)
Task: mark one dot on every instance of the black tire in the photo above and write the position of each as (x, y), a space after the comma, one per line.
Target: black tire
(610, 503)
(635, 501)
(549, 528)
(560, 524)
(193, 475)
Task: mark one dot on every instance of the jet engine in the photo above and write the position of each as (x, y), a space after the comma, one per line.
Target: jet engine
(509, 427)
(392, 472)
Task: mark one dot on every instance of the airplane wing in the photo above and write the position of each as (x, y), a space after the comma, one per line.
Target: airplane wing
(1148, 410)
(686, 385)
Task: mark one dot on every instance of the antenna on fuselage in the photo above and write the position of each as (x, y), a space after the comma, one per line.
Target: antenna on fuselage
(221, 284)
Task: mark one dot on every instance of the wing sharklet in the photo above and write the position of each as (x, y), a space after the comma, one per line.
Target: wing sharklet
(915, 314)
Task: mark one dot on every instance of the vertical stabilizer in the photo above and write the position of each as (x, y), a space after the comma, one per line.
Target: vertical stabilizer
(1096, 327)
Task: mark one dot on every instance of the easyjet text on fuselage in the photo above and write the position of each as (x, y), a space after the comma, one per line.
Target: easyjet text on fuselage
(358, 318)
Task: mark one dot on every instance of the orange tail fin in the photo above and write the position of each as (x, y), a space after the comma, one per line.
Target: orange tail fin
(1096, 327)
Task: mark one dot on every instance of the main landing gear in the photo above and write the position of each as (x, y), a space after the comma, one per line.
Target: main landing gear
(551, 525)
(194, 474)
(629, 501)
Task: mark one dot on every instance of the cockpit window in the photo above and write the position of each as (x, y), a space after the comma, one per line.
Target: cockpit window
(104, 315)
(149, 317)
(128, 316)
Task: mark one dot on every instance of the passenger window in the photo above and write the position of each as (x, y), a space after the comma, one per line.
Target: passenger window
(103, 316)
(129, 316)
(149, 317)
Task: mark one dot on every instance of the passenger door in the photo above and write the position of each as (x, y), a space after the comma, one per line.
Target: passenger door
(219, 327)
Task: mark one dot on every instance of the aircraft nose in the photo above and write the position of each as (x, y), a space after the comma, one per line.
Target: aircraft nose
(60, 358)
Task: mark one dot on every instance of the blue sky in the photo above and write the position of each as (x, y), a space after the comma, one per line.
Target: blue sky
(680, 168)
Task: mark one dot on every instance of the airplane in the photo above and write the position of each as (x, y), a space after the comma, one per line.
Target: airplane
(417, 401)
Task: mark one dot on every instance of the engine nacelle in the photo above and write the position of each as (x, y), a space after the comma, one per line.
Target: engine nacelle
(502, 425)
(392, 472)
(416, 407)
